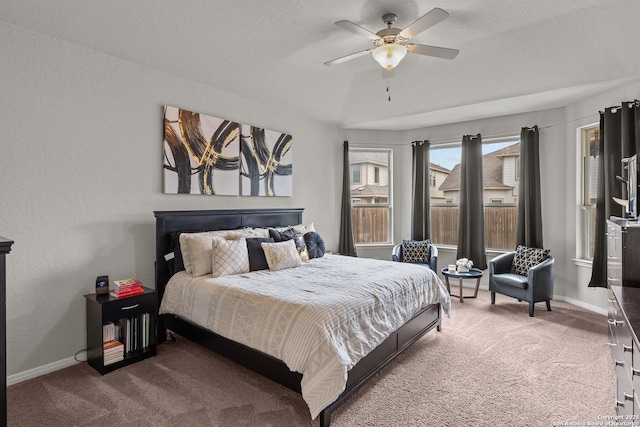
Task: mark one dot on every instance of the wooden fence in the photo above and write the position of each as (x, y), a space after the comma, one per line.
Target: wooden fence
(371, 225)
(500, 224)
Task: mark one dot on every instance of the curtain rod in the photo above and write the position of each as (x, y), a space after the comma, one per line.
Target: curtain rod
(485, 137)
(493, 136)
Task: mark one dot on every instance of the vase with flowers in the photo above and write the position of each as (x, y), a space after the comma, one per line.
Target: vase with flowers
(464, 265)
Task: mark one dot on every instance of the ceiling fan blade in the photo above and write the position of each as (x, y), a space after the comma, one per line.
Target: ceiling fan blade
(348, 57)
(426, 21)
(438, 52)
(357, 29)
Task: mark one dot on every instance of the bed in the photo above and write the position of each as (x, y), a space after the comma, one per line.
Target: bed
(354, 364)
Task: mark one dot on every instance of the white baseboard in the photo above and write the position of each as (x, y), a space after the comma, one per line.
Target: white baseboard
(584, 305)
(573, 301)
(42, 370)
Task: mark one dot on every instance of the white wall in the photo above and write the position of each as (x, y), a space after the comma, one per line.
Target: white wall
(81, 174)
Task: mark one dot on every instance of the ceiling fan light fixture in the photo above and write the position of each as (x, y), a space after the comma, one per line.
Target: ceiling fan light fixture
(389, 55)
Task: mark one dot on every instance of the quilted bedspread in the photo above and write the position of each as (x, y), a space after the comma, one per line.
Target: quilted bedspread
(320, 318)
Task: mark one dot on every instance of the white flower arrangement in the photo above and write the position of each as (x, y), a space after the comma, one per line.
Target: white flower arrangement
(464, 263)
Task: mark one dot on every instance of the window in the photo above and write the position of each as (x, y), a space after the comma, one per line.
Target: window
(501, 161)
(432, 179)
(589, 140)
(370, 195)
(355, 174)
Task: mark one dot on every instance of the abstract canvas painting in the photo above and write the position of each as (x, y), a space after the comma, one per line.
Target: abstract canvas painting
(209, 155)
(266, 163)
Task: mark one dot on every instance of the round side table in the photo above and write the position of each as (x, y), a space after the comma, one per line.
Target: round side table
(474, 273)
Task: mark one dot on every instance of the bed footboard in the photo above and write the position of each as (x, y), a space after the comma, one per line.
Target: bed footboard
(274, 369)
(427, 319)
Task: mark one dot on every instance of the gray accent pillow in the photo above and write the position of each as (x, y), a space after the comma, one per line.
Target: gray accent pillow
(315, 244)
(257, 260)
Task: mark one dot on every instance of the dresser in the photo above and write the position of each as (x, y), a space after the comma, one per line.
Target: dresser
(5, 248)
(623, 253)
(624, 322)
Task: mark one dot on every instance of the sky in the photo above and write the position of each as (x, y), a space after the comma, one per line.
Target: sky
(449, 157)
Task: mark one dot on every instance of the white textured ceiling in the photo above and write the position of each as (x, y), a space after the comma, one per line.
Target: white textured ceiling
(515, 55)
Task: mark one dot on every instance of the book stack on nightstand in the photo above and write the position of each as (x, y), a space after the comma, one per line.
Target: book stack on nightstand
(126, 288)
(120, 331)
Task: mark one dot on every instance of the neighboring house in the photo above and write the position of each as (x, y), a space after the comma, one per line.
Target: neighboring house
(500, 175)
(369, 177)
(437, 175)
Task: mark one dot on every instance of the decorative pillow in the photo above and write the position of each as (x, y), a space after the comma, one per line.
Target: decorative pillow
(281, 255)
(229, 257)
(527, 257)
(298, 229)
(257, 260)
(301, 247)
(281, 235)
(247, 233)
(185, 246)
(303, 228)
(199, 251)
(315, 244)
(416, 251)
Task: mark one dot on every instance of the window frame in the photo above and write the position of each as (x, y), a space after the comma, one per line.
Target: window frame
(586, 207)
(353, 174)
(513, 139)
(388, 204)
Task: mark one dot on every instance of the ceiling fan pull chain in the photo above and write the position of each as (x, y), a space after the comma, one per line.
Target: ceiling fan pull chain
(389, 90)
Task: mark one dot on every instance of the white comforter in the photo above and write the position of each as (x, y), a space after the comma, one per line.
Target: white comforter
(320, 319)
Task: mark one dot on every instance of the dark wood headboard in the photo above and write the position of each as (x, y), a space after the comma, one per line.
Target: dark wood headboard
(168, 222)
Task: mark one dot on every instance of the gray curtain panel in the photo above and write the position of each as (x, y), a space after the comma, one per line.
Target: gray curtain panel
(619, 138)
(529, 228)
(346, 245)
(471, 221)
(420, 222)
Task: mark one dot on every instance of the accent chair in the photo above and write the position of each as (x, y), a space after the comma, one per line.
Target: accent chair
(432, 255)
(535, 286)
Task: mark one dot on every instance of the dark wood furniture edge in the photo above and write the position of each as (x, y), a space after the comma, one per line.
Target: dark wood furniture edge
(169, 221)
(5, 248)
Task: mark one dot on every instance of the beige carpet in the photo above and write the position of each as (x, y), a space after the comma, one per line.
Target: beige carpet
(490, 366)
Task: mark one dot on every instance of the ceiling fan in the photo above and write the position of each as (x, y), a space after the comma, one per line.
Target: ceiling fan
(391, 44)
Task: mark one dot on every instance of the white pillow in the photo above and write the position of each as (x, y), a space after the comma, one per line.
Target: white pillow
(298, 229)
(281, 255)
(303, 228)
(196, 251)
(247, 232)
(229, 257)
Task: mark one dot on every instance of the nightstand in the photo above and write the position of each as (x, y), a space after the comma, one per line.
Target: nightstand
(132, 318)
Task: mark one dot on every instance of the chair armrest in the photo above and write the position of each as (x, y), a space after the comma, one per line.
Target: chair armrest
(542, 273)
(396, 254)
(501, 264)
(433, 258)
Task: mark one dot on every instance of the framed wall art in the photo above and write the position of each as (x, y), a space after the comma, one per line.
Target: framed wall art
(213, 156)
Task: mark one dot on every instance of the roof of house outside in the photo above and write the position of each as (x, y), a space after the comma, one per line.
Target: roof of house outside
(491, 170)
(369, 156)
(370, 190)
(438, 168)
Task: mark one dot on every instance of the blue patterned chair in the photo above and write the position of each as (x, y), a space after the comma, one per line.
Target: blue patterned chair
(528, 280)
(431, 254)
